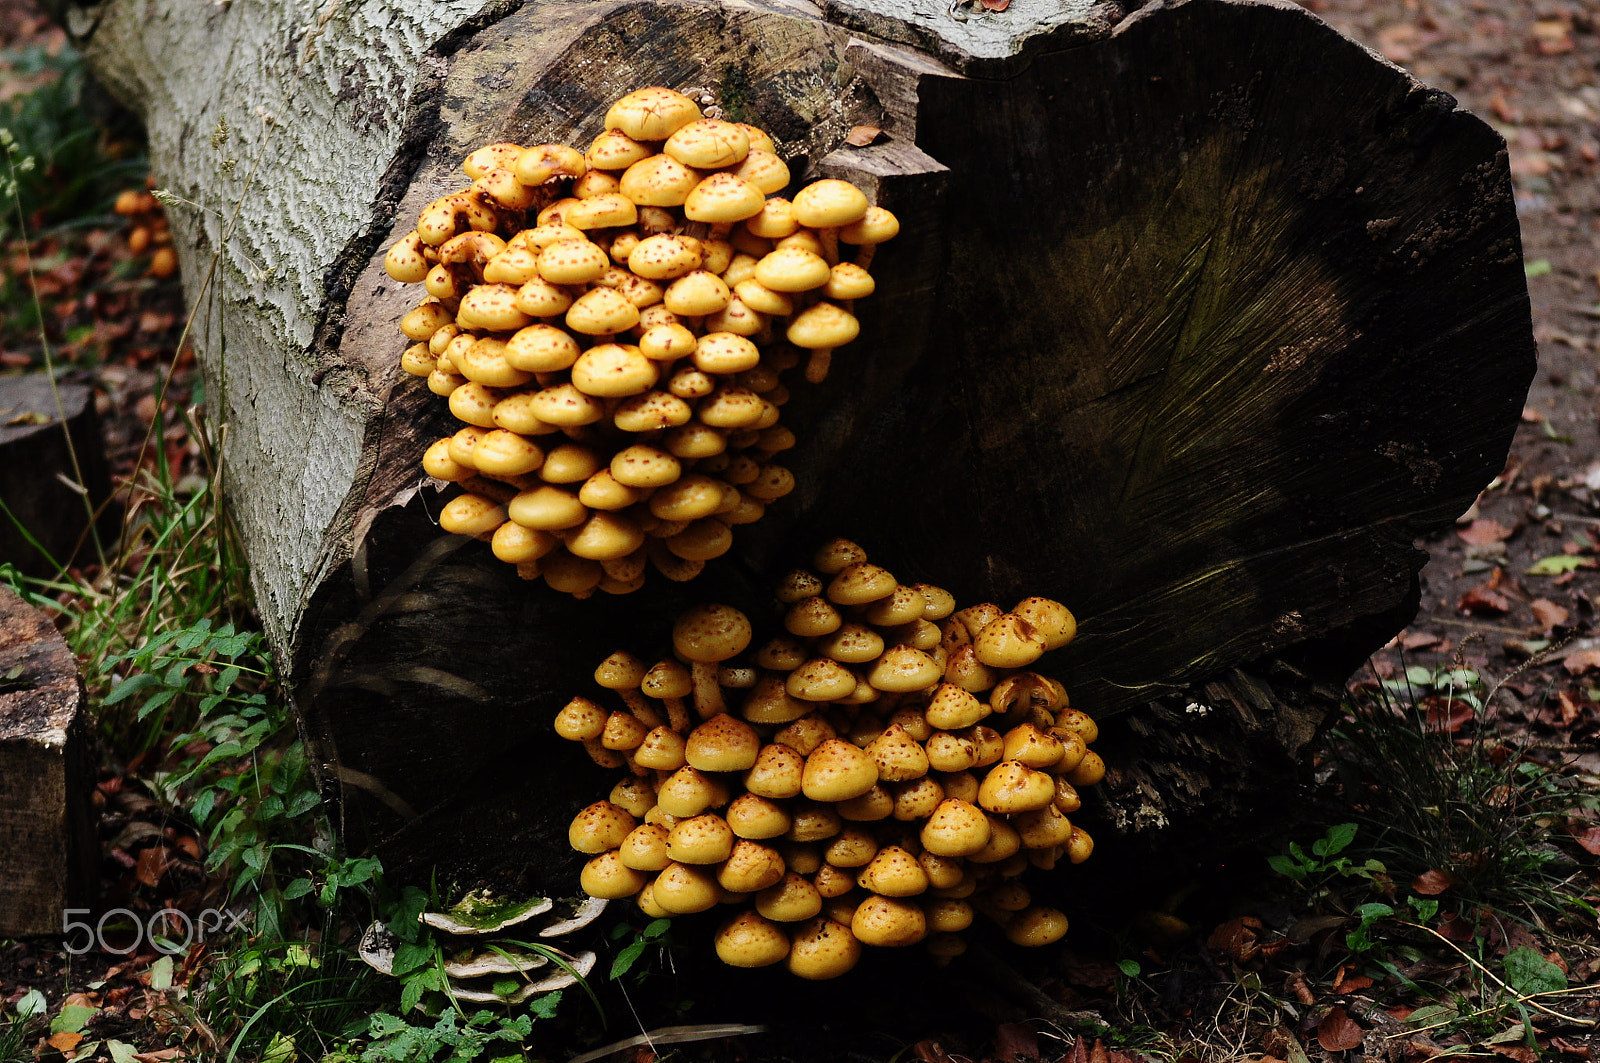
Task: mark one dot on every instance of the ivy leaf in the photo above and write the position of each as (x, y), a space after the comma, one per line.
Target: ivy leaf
(1528, 972)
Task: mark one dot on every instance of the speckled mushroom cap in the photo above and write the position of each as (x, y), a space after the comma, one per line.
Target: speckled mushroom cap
(829, 203)
(652, 113)
(708, 144)
(711, 633)
(723, 198)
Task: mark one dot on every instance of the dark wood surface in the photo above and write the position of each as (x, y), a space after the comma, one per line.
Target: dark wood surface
(47, 845)
(37, 471)
(1197, 328)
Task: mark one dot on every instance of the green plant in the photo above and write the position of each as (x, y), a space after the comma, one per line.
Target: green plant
(1440, 792)
(1313, 870)
(18, 1032)
(466, 1041)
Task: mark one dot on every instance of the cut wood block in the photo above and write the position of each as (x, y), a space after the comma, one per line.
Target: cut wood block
(44, 522)
(47, 853)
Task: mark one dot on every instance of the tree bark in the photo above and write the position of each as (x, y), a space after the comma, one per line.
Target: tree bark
(1200, 316)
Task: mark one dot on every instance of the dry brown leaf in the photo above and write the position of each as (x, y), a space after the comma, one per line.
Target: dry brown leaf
(64, 1041)
(1548, 613)
(1097, 1054)
(930, 1052)
(1013, 1040)
(1484, 532)
(1484, 599)
(1338, 1032)
(1432, 882)
(1567, 1048)
(1582, 661)
(1352, 984)
(153, 863)
(1520, 1053)
(1236, 938)
(1590, 840)
(862, 135)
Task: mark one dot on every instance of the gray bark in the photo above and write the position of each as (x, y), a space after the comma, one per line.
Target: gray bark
(1263, 325)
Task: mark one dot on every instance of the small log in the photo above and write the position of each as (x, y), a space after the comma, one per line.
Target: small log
(47, 844)
(46, 524)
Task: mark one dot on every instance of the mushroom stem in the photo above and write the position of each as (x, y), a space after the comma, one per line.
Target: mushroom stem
(707, 692)
(818, 364)
(528, 570)
(606, 758)
(864, 256)
(641, 708)
(829, 239)
(677, 714)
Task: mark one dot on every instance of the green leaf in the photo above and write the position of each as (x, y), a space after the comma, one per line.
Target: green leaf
(121, 1051)
(161, 974)
(129, 687)
(544, 1007)
(31, 1003)
(1528, 972)
(409, 957)
(1537, 268)
(1286, 867)
(1339, 837)
(1429, 1014)
(626, 959)
(1425, 908)
(73, 1018)
(1419, 675)
(1129, 968)
(297, 889)
(1558, 564)
(301, 803)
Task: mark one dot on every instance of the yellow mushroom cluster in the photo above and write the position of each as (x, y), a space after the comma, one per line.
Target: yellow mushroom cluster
(610, 326)
(876, 775)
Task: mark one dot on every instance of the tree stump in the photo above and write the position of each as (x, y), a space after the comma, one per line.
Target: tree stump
(46, 826)
(1201, 315)
(49, 523)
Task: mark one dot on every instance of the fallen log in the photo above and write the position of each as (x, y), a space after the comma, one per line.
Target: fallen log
(1200, 316)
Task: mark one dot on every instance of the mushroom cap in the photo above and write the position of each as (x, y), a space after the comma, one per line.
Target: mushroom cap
(877, 803)
(645, 848)
(849, 281)
(541, 348)
(696, 294)
(1004, 842)
(852, 847)
(823, 325)
(502, 453)
(613, 150)
(1079, 846)
(580, 720)
(666, 343)
(652, 113)
(711, 633)
(471, 515)
(899, 758)
(605, 537)
(750, 868)
(614, 370)
(948, 916)
(790, 901)
(683, 889)
(792, 269)
(547, 508)
(813, 822)
(903, 669)
(1011, 787)
(599, 827)
(777, 772)
(829, 203)
(661, 750)
(888, 922)
(601, 311)
(548, 162)
(569, 463)
(1036, 926)
(633, 795)
(820, 679)
(658, 181)
(664, 256)
(852, 644)
(748, 940)
(623, 731)
(572, 262)
(608, 210)
(726, 743)
(492, 307)
(1090, 770)
(775, 221)
(608, 877)
(915, 800)
(956, 828)
(837, 771)
(1008, 641)
(834, 555)
(708, 144)
(491, 157)
(822, 949)
(812, 617)
(724, 353)
(757, 818)
(1050, 619)
(723, 198)
(686, 792)
(651, 411)
(1032, 747)
(702, 839)
(539, 298)
(894, 872)
(874, 227)
(1043, 828)
(770, 703)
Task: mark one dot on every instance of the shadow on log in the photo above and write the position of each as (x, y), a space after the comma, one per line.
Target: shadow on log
(1197, 327)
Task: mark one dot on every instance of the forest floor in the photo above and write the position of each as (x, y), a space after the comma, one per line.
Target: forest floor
(1327, 953)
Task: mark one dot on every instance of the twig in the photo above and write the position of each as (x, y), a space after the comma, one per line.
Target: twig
(1521, 998)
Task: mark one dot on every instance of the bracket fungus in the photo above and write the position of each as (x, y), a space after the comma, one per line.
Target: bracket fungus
(595, 303)
(475, 938)
(845, 786)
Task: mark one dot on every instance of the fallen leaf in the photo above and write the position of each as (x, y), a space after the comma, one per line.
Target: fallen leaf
(1482, 600)
(153, 863)
(1582, 661)
(1080, 1051)
(1548, 613)
(1433, 882)
(1570, 709)
(1418, 640)
(1483, 532)
(64, 1041)
(1097, 1054)
(1590, 840)
(1338, 1032)
(1531, 415)
(1236, 938)
(930, 1052)
(1520, 1053)
(1296, 984)
(161, 1055)
(1353, 984)
(1559, 564)
(862, 135)
(995, 5)
(1567, 1048)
